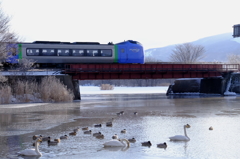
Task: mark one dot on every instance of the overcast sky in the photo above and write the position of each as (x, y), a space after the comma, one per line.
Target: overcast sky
(154, 23)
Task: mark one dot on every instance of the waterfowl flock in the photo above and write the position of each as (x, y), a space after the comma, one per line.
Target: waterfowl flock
(114, 142)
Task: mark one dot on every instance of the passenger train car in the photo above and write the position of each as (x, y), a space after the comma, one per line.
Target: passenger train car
(55, 53)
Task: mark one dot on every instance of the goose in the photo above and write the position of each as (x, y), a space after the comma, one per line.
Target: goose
(36, 137)
(115, 136)
(96, 134)
(64, 137)
(58, 140)
(163, 145)
(73, 133)
(132, 140)
(117, 143)
(32, 152)
(210, 128)
(124, 131)
(76, 130)
(85, 128)
(101, 136)
(88, 132)
(181, 137)
(52, 142)
(147, 143)
(98, 125)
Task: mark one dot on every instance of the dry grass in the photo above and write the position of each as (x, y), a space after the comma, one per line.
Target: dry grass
(52, 90)
(106, 87)
(5, 94)
(49, 90)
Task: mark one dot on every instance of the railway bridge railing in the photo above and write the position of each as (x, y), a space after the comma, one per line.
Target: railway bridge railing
(147, 71)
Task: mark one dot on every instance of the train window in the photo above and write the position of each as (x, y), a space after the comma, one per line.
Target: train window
(77, 52)
(63, 52)
(48, 52)
(33, 52)
(90, 52)
(107, 53)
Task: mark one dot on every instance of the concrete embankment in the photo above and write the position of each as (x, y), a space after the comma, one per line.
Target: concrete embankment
(212, 85)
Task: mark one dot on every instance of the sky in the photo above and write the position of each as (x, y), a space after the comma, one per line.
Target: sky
(154, 23)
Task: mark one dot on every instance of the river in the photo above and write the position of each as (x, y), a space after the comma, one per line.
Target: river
(158, 118)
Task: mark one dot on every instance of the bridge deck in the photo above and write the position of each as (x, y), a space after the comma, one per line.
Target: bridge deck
(147, 71)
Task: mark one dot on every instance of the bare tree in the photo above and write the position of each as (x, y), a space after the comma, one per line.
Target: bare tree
(187, 53)
(6, 37)
(233, 59)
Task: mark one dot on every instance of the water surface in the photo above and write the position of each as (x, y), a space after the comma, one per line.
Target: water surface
(158, 118)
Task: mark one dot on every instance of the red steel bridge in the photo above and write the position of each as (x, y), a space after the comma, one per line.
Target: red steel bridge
(147, 71)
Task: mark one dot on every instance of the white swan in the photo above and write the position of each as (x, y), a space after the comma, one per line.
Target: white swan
(32, 152)
(117, 143)
(181, 137)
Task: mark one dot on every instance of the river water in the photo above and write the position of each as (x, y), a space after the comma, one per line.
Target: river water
(158, 118)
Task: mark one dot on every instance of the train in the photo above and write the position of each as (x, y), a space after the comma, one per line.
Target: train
(56, 54)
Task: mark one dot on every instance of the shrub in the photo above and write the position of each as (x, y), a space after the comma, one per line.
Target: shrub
(52, 90)
(5, 94)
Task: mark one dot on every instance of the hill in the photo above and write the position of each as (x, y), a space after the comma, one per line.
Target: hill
(217, 47)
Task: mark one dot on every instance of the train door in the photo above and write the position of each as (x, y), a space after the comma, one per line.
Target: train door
(122, 54)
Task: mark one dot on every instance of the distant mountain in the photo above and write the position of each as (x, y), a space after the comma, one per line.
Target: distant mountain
(217, 48)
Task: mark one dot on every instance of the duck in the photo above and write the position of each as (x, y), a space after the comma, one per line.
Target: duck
(123, 131)
(58, 140)
(64, 137)
(32, 152)
(88, 132)
(101, 136)
(52, 142)
(181, 137)
(121, 112)
(210, 128)
(98, 125)
(85, 128)
(162, 145)
(76, 130)
(147, 143)
(36, 137)
(118, 114)
(117, 143)
(73, 133)
(96, 134)
(115, 136)
(132, 140)
(135, 113)
(109, 124)
(46, 138)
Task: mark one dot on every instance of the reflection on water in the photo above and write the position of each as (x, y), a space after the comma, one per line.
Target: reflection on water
(158, 118)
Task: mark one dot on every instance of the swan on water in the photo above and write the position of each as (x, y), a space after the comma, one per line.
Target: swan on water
(115, 136)
(32, 152)
(181, 137)
(163, 145)
(117, 143)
